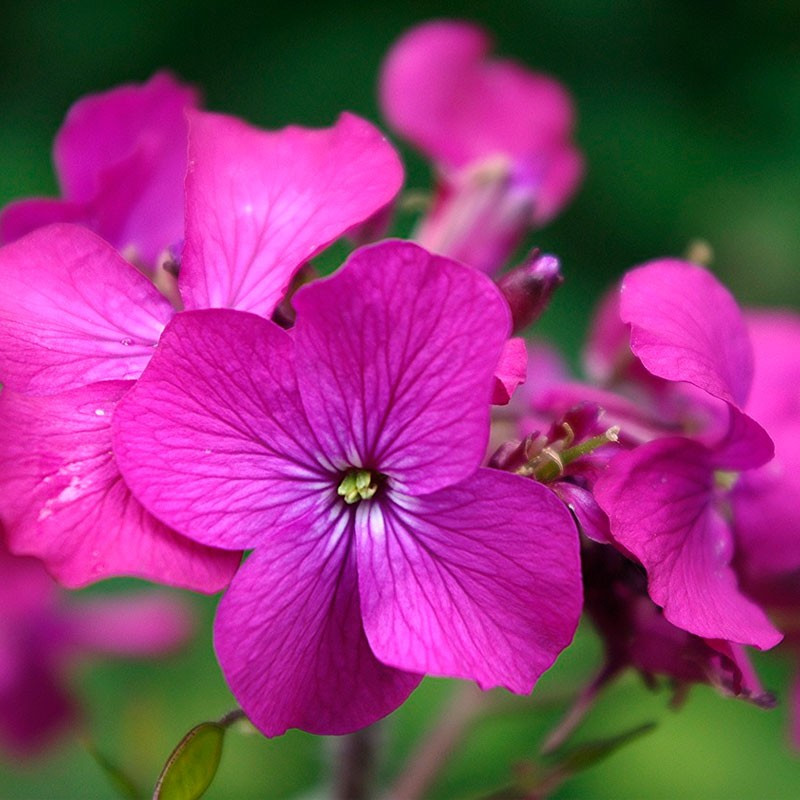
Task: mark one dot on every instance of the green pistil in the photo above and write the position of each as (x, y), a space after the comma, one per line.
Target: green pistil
(725, 479)
(358, 484)
(549, 464)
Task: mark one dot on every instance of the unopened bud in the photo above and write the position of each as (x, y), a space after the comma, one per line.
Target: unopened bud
(529, 287)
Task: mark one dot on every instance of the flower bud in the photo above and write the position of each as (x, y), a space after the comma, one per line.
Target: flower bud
(529, 287)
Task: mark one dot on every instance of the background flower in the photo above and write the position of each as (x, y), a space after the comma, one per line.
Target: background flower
(688, 121)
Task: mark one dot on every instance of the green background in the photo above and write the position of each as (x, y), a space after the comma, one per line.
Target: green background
(689, 115)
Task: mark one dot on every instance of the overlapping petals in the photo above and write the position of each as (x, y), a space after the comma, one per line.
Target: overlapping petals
(765, 511)
(388, 373)
(65, 501)
(259, 205)
(291, 642)
(76, 317)
(120, 158)
(74, 312)
(397, 378)
(659, 498)
(664, 499)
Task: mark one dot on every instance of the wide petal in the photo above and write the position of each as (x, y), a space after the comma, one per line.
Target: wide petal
(396, 355)
(766, 516)
(660, 502)
(774, 399)
(261, 203)
(480, 580)
(290, 641)
(213, 439)
(73, 311)
(686, 326)
(123, 153)
(23, 216)
(64, 500)
(439, 90)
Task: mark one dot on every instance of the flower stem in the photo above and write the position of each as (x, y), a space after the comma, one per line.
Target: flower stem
(577, 711)
(354, 767)
(465, 705)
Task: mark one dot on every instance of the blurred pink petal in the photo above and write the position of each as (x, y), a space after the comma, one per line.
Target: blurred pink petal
(121, 160)
(130, 624)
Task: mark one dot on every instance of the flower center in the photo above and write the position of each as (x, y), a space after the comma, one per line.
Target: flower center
(358, 484)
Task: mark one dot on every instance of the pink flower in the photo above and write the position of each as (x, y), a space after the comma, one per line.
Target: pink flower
(667, 499)
(636, 634)
(120, 159)
(766, 518)
(498, 134)
(42, 636)
(78, 322)
(346, 453)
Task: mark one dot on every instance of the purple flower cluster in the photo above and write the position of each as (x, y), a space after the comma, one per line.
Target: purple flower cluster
(180, 387)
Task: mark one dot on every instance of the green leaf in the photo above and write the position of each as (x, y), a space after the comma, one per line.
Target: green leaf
(122, 784)
(581, 757)
(193, 764)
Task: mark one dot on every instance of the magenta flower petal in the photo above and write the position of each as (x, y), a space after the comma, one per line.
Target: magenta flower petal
(480, 580)
(34, 707)
(126, 148)
(591, 519)
(290, 640)
(72, 312)
(686, 326)
(259, 204)
(773, 397)
(23, 216)
(511, 371)
(65, 502)
(213, 438)
(396, 356)
(766, 517)
(659, 500)
(439, 90)
(765, 512)
(608, 340)
(744, 446)
(559, 181)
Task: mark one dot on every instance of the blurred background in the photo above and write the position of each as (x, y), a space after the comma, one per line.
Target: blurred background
(689, 116)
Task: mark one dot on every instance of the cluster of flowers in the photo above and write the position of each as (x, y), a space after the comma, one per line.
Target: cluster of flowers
(180, 387)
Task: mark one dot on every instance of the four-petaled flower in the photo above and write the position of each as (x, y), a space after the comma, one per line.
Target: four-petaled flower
(346, 453)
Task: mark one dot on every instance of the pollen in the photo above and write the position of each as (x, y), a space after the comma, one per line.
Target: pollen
(357, 484)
